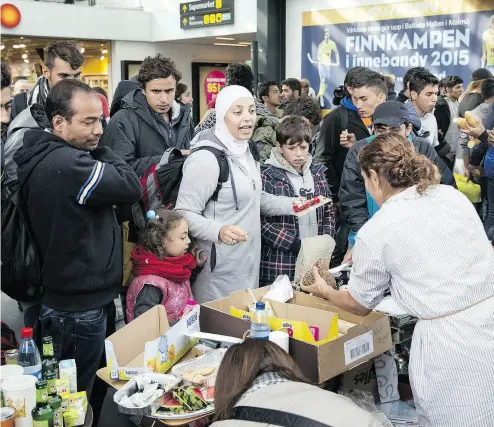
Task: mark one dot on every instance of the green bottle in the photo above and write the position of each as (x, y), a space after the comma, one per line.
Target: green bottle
(55, 402)
(49, 362)
(51, 379)
(42, 412)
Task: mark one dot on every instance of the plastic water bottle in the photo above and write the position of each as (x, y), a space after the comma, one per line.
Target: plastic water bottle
(29, 357)
(259, 325)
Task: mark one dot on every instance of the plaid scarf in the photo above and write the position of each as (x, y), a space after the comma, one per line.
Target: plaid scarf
(39, 92)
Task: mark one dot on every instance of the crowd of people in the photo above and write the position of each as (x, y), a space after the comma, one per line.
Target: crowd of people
(225, 191)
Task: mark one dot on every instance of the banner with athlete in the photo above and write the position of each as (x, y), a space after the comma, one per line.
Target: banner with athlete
(452, 37)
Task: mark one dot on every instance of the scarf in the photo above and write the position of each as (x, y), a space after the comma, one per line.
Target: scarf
(224, 101)
(39, 92)
(177, 268)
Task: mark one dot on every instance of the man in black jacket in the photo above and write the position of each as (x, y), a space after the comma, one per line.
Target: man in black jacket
(404, 95)
(150, 120)
(70, 186)
(356, 204)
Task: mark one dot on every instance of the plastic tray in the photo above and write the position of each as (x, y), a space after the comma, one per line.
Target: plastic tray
(169, 382)
(213, 358)
(185, 416)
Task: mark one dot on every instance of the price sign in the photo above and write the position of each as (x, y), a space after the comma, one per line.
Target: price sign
(213, 83)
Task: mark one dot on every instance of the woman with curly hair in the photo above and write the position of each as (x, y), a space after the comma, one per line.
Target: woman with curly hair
(427, 244)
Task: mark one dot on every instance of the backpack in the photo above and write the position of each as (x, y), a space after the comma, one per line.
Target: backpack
(9, 341)
(161, 183)
(21, 262)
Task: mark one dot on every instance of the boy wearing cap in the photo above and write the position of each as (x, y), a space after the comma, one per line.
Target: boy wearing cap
(356, 204)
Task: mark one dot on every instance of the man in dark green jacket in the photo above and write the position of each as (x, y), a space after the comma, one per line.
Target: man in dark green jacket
(150, 120)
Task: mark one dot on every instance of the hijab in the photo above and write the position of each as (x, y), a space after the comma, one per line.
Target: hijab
(224, 101)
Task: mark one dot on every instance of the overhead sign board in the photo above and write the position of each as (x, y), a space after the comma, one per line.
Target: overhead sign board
(206, 13)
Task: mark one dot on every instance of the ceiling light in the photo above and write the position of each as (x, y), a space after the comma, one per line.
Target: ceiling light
(225, 38)
(22, 46)
(24, 56)
(101, 58)
(104, 51)
(2, 47)
(230, 44)
(22, 38)
(82, 50)
(101, 44)
(16, 46)
(26, 61)
(246, 43)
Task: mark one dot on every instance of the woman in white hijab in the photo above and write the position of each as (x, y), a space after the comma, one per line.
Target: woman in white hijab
(229, 229)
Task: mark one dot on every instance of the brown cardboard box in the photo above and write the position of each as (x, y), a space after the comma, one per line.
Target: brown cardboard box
(370, 337)
(128, 342)
(362, 377)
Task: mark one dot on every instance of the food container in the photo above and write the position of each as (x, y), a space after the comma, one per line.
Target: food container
(19, 393)
(7, 371)
(213, 358)
(11, 357)
(7, 417)
(168, 382)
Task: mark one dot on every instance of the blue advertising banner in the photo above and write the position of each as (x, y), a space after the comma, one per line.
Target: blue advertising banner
(452, 37)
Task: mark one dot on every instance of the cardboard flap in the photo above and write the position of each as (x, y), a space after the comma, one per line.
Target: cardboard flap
(312, 316)
(129, 341)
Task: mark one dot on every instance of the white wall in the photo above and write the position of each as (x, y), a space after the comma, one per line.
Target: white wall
(294, 10)
(44, 19)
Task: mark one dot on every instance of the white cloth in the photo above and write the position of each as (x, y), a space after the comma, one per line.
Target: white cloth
(429, 123)
(432, 251)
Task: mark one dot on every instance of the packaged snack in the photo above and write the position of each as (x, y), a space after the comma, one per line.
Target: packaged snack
(76, 415)
(65, 400)
(62, 385)
(68, 369)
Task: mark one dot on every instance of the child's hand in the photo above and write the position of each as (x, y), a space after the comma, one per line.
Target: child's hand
(197, 255)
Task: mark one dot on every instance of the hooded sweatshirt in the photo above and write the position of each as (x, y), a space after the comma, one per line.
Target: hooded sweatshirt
(140, 136)
(69, 195)
(33, 117)
(240, 202)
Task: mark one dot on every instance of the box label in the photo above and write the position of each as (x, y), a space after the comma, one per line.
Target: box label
(359, 347)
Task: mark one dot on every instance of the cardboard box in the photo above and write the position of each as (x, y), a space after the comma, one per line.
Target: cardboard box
(370, 337)
(128, 343)
(362, 377)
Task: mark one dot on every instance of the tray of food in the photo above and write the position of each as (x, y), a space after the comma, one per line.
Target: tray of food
(200, 371)
(303, 207)
(184, 402)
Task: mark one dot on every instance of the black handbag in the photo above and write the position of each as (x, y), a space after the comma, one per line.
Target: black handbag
(272, 416)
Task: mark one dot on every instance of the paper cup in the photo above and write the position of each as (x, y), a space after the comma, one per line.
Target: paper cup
(20, 393)
(281, 338)
(8, 371)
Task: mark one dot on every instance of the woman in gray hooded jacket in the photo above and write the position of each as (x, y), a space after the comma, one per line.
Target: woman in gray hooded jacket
(227, 229)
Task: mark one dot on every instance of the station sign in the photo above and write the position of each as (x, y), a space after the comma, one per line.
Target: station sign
(206, 13)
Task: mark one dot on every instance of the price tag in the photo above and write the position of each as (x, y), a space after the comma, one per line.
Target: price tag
(359, 347)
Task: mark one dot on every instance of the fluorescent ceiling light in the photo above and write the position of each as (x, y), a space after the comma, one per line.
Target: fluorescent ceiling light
(230, 44)
(22, 46)
(225, 38)
(24, 56)
(2, 47)
(16, 46)
(26, 61)
(101, 58)
(104, 51)
(82, 50)
(246, 43)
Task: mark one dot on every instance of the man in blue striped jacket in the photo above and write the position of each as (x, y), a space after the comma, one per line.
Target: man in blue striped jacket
(70, 186)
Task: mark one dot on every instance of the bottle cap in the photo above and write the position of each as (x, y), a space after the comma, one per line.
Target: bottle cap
(47, 340)
(260, 306)
(26, 333)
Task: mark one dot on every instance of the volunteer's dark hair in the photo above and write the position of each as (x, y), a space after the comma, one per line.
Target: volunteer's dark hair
(488, 89)
(6, 75)
(59, 99)
(264, 89)
(389, 80)
(421, 80)
(101, 91)
(410, 73)
(350, 75)
(371, 79)
(451, 81)
(293, 130)
(157, 67)
(64, 50)
(181, 89)
(293, 84)
(242, 364)
(304, 106)
(241, 75)
(156, 231)
(394, 159)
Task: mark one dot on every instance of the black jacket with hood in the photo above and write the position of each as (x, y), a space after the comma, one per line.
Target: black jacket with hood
(136, 136)
(329, 151)
(69, 194)
(353, 196)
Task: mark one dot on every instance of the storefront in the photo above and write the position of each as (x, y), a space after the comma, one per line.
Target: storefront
(24, 54)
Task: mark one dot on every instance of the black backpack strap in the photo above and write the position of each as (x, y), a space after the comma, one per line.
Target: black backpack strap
(274, 417)
(343, 117)
(20, 103)
(224, 169)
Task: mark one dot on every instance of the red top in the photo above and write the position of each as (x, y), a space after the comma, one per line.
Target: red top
(26, 333)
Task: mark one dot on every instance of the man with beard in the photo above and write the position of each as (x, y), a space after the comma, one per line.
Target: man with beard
(70, 186)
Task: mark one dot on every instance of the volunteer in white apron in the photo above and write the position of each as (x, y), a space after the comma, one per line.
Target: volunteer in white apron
(427, 245)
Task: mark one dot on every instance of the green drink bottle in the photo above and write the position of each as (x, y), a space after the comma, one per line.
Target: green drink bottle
(42, 412)
(55, 402)
(49, 362)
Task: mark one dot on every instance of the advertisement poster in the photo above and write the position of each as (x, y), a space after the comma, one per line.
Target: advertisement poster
(449, 37)
(211, 81)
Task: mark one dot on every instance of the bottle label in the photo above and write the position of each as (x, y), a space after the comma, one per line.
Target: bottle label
(48, 349)
(33, 370)
(57, 418)
(259, 330)
(40, 423)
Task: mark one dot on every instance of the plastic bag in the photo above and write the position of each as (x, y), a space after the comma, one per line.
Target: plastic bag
(468, 188)
(313, 249)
